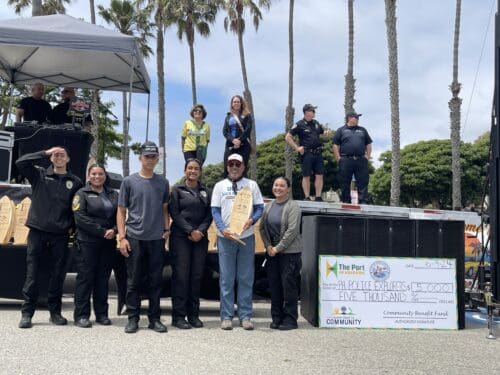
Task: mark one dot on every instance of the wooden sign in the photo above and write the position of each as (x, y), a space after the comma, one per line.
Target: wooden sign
(242, 208)
(21, 230)
(7, 219)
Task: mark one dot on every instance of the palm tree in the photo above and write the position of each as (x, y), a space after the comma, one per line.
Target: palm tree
(350, 88)
(39, 7)
(193, 16)
(129, 19)
(392, 44)
(290, 110)
(235, 22)
(92, 11)
(454, 104)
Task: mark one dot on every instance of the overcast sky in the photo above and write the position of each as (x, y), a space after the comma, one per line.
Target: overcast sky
(425, 41)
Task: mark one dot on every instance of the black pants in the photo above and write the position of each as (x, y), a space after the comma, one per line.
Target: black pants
(193, 155)
(188, 266)
(145, 259)
(93, 261)
(359, 167)
(53, 248)
(283, 274)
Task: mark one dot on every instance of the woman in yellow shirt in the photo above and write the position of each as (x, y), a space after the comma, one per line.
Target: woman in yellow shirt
(196, 135)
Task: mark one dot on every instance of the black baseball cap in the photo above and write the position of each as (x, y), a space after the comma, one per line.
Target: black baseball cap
(352, 114)
(149, 148)
(309, 107)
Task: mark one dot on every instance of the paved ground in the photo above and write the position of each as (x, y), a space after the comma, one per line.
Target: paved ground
(48, 349)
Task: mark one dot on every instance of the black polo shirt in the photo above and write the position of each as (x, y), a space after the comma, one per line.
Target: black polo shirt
(308, 133)
(35, 110)
(352, 140)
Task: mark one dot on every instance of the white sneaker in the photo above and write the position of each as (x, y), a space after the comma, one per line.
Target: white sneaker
(226, 325)
(246, 324)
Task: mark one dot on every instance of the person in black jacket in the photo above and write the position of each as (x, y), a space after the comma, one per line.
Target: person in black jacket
(191, 216)
(94, 207)
(49, 219)
(237, 129)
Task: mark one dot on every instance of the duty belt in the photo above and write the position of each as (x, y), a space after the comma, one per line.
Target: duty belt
(314, 151)
(354, 157)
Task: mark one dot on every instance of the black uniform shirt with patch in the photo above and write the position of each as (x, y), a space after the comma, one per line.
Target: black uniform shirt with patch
(352, 140)
(308, 133)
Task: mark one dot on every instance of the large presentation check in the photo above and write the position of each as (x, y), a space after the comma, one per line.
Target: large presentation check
(382, 292)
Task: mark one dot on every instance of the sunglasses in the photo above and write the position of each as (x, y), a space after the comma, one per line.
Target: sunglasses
(231, 165)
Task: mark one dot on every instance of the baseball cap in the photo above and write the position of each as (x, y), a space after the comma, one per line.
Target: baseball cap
(352, 114)
(236, 157)
(309, 107)
(149, 148)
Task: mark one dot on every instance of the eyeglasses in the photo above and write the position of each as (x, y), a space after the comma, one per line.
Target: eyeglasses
(231, 165)
(197, 111)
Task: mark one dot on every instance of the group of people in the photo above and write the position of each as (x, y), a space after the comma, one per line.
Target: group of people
(142, 216)
(36, 108)
(351, 142)
(352, 146)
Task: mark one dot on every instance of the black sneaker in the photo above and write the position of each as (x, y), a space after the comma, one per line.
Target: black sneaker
(318, 199)
(181, 324)
(132, 326)
(157, 326)
(195, 322)
(83, 323)
(308, 199)
(25, 322)
(274, 325)
(103, 320)
(286, 327)
(58, 319)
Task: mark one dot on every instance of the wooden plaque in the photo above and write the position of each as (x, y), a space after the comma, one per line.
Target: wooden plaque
(21, 230)
(7, 219)
(242, 208)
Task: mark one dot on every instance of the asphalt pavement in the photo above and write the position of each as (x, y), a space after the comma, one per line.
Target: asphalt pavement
(49, 349)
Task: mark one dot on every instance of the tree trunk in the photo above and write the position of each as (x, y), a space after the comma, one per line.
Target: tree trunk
(349, 77)
(36, 8)
(193, 72)
(92, 12)
(161, 93)
(290, 110)
(454, 104)
(125, 150)
(390, 11)
(248, 97)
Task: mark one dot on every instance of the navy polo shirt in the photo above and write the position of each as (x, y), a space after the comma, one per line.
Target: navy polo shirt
(308, 133)
(352, 140)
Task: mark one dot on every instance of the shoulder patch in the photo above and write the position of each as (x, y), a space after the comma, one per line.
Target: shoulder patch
(76, 203)
(69, 184)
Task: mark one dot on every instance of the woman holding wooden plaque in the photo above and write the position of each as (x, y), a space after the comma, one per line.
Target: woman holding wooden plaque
(94, 207)
(280, 232)
(191, 217)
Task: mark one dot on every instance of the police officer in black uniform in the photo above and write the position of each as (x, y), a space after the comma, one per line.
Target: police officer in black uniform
(309, 148)
(352, 147)
(49, 219)
(95, 208)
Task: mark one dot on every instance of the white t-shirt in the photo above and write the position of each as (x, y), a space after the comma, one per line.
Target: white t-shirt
(223, 197)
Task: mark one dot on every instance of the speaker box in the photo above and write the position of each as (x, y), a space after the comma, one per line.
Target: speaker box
(390, 237)
(115, 180)
(6, 144)
(30, 139)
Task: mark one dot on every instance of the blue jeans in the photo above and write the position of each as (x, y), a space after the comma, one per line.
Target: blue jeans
(236, 263)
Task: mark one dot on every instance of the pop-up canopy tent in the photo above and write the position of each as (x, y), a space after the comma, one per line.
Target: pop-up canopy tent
(59, 50)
